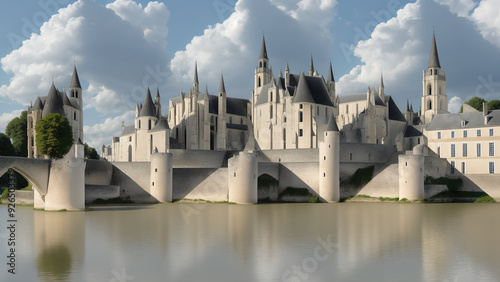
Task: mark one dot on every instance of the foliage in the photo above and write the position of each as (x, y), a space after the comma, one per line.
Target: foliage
(485, 199)
(360, 177)
(54, 136)
(476, 103)
(494, 105)
(314, 199)
(5, 193)
(452, 183)
(90, 152)
(6, 147)
(17, 131)
(292, 191)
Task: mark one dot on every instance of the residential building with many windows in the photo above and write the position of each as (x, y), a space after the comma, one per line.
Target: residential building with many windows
(451, 136)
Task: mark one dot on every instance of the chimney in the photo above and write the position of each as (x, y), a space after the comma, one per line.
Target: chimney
(485, 112)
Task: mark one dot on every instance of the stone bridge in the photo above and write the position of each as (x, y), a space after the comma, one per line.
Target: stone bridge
(36, 171)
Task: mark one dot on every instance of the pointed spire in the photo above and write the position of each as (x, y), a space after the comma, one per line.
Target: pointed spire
(411, 108)
(222, 88)
(287, 68)
(75, 81)
(281, 74)
(311, 66)
(263, 50)
(195, 80)
(271, 72)
(407, 106)
(381, 80)
(434, 58)
(157, 96)
(332, 124)
(330, 74)
(302, 92)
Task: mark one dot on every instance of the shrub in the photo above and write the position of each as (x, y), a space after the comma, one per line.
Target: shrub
(360, 177)
(485, 199)
(453, 184)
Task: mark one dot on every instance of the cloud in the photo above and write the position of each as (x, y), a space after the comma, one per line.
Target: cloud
(487, 19)
(106, 42)
(100, 133)
(233, 46)
(454, 104)
(461, 8)
(5, 118)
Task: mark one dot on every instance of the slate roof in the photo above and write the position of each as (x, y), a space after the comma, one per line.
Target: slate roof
(38, 104)
(234, 106)
(75, 81)
(394, 112)
(53, 103)
(411, 131)
(434, 57)
(263, 50)
(129, 129)
(311, 89)
(160, 126)
(332, 124)
(473, 120)
(148, 109)
(352, 98)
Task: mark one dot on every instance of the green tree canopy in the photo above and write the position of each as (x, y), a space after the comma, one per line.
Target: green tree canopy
(6, 147)
(476, 103)
(90, 152)
(494, 105)
(17, 131)
(54, 136)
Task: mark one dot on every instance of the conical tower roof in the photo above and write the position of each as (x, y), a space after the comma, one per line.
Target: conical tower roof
(302, 93)
(54, 103)
(332, 124)
(311, 65)
(38, 104)
(263, 50)
(148, 109)
(381, 80)
(330, 74)
(75, 81)
(195, 79)
(434, 57)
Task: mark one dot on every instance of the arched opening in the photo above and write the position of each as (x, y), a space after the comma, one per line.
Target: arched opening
(260, 64)
(259, 82)
(429, 105)
(212, 141)
(129, 153)
(429, 90)
(267, 188)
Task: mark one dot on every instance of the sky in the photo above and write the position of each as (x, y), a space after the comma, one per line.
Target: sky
(122, 47)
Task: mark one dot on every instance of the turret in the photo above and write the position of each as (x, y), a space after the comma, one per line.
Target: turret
(221, 129)
(381, 88)
(311, 67)
(329, 160)
(196, 89)
(331, 84)
(157, 104)
(262, 72)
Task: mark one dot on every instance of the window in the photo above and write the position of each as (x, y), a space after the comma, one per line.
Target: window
(463, 123)
(350, 156)
(491, 132)
(452, 150)
(453, 134)
(301, 106)
(139, 124)
(439, 135)
(479, 133)
(301, 132)
(492, 167)
(271, 112)
(452, 168)
(463, 167)
(465, 133)
(346, 109)
(74, 116)
(492, 149)
(271, 97)
(301, 116)
(31, 122)
(478, 149)
(439, 152)
(130, 139)
(317, 110)
(464, 150)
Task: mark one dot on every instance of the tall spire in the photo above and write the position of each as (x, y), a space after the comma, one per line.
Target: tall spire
(287, 68)
(311, 66)
(222, 88)
(381, 80)
(330, 74)
(75, 81)
(407, 106)
(148, 109)
(434, 58)
(263, 50)
(195, 80)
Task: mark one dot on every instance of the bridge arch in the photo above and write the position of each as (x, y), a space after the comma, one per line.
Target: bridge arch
(36, 171)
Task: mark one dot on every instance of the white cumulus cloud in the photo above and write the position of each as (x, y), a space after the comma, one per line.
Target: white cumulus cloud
(100, 134)
(454, 104)
(5, 118)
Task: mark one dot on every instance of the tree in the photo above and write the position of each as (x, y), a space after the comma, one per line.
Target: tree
(17, 131)
(6, 147)
(476, 103)
(90, 152)
(54, 136)
(494, 105)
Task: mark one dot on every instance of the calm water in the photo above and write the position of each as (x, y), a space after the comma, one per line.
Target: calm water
(274, 242)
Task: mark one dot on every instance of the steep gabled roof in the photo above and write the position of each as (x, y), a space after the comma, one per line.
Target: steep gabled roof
(148, 109)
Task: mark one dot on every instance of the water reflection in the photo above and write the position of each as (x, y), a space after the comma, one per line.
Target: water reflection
(59, 239)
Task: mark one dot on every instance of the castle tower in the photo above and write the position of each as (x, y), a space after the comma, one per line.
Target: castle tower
(411, 174)
(75, 96)
(221, 128)
(158, 104)
(196, 85)
(381, 88)
(434, 99)
(242, 174)
(329, 163)
(331, 84)
(262, 72)
(161, 176)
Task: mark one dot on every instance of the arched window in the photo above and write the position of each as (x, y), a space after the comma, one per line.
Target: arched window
(260, 64)
(259, 82)
(265, 64)
(431, 71)
(429, 90)
(429, 105)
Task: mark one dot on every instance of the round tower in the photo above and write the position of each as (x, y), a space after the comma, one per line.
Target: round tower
(329, 162)
(411, 174)
(242, 178)
(161, 176)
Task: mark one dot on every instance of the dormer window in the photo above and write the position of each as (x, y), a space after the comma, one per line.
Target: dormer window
(463, 123)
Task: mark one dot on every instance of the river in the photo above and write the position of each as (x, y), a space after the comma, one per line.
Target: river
(267, 242)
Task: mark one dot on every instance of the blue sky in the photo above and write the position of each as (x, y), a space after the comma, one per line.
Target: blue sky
(121, 47)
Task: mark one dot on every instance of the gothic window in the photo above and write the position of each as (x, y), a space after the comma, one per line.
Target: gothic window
(429, 90)
(264, 64)
(429, 105)
(271, 97)
(260, 64)
(259, 82)
(431, 71)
